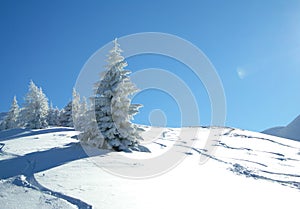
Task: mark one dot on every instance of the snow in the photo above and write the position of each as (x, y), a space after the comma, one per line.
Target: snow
(13, 196)
(48, 168)
(291, 131)
(19, 142)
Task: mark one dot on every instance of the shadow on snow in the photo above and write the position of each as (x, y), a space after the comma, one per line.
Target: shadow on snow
(35, 162)
(22, 132)
(43, 160)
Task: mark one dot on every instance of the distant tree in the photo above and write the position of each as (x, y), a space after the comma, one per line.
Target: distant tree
(2, 126)
(35, 112)
(11, 120)
(113, 108)
(83, 107)
(75, 106)
(80, 111)
(53, 116)
(65, 118)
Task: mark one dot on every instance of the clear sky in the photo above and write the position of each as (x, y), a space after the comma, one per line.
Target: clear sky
(254, 46)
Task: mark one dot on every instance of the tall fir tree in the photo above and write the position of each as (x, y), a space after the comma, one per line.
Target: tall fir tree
(113, 108)
(35, 112)
(12, 118)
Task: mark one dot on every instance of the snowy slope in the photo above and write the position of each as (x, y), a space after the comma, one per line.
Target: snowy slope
(50, 169)
(291, 131)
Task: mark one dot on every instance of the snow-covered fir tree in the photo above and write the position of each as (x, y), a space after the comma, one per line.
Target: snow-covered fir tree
(2, 125)
(79, 115)
(113, 108)
(83, 108)
(53, 116)
(12, 118)
(75, 106)
(65, 118)
(88, 126)
(81, 119)
(35, 112)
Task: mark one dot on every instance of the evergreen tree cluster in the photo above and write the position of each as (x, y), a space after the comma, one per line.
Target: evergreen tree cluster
(104, 122)
(36, 113)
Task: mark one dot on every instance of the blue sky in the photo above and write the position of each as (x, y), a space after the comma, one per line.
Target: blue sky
(254, 46)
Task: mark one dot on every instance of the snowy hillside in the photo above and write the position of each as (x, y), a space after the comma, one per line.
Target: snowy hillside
(291, 131)
(48, 168)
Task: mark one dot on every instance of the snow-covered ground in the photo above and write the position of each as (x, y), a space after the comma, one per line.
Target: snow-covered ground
(49, 169)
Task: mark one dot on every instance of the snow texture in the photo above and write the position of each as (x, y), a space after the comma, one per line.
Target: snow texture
(49, 168)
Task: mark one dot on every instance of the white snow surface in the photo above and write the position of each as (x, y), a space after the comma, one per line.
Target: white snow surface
(49, 168)
(13, 196)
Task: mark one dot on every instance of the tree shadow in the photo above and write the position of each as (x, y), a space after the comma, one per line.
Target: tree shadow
(43, 160)
(23, 132)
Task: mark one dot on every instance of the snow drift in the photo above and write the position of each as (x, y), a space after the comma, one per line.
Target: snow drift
(49, 168)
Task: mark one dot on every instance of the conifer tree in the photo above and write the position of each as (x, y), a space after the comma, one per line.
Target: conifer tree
(65, 118)
(88, 126)
(11, 120)
(113, 108)
(53, 116)
(36, 108)
(75, 107)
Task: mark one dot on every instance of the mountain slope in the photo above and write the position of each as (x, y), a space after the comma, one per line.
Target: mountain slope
(50, 169)
(291, 131)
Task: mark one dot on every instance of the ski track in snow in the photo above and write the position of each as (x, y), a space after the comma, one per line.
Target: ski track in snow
(29, 164)
(238, 150)
(256, 173)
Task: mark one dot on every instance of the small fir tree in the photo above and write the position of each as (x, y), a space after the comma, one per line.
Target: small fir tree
(53, 116)
(36, 108)
(75, 107)
(11, 120)
(65, 118)
(88, 126)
